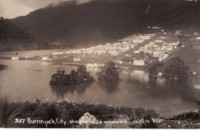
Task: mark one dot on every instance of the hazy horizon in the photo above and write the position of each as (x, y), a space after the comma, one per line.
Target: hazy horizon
(15, 8)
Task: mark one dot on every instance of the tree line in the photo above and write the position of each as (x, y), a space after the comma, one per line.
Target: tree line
(176, 73)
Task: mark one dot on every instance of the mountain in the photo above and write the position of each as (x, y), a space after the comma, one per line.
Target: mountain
(185, 17)
(15, 38)
(69, 24)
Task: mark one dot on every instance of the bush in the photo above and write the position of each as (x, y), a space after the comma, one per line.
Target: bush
(7, 111)
(177, 74)
(78, 80)
(153, 74)
(63, 110)
(2, 67)
(79, 76)
(178, 78)
(108, 77)
(109, 73)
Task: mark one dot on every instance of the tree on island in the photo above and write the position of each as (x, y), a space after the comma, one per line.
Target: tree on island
(177, 74)
(179, 79)
(153, 74)
(108, 77)
(78, 80)
(78, 76)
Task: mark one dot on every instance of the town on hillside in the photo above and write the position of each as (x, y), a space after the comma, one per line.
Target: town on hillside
(133, 54)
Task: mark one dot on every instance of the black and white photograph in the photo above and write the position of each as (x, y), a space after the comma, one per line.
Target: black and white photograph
(100, 64)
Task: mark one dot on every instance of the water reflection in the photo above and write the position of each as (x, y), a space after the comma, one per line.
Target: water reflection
(141, 78)
(2, 67)
(59, 91)
(81, 88)
(62, 90)
(27, 84)
(109, 87)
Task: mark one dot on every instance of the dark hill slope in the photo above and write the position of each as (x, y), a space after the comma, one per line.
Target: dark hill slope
(12, 37)
(15, 38)
(103, 21)
(186, 17)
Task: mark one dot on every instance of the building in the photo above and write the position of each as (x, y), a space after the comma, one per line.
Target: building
(155, 27)
(77, 59)
(198, 38)
(45, 58)
(139, 62)
(57, 53)
(15, 58)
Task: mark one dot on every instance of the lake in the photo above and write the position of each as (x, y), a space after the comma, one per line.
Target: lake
(28, 80)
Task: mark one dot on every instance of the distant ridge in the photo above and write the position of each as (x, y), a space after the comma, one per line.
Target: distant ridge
(13, 37)
(70, 25)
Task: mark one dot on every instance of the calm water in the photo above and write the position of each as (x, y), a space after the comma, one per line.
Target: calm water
(28, 80)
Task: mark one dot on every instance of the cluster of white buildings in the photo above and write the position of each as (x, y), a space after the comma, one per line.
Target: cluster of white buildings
(158, 49)
(113, 49)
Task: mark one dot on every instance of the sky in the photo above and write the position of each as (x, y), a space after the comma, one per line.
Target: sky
(15, 8)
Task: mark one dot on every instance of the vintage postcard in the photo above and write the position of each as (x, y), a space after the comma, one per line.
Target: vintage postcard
(100, 64)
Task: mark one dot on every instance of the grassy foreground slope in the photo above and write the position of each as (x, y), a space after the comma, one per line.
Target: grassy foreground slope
(66, 115)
